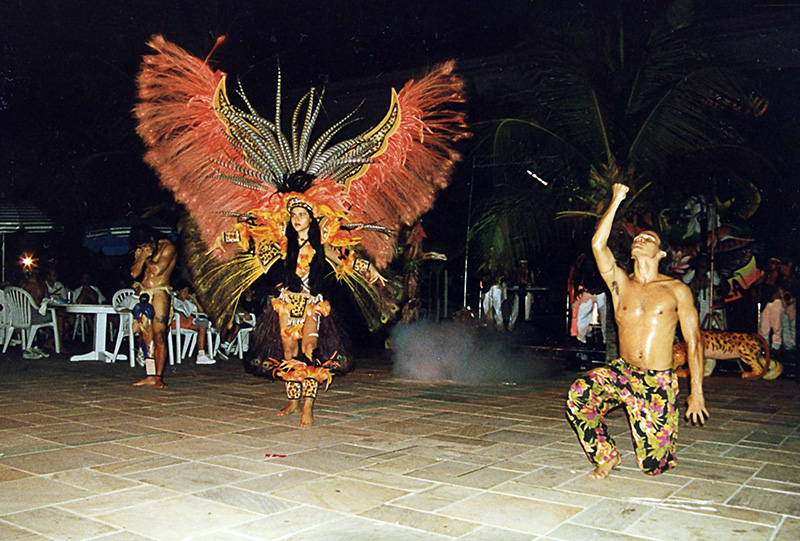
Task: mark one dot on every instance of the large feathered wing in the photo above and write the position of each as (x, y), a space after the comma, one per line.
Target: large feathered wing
(186, 140)
(226, 165)
(414, 159)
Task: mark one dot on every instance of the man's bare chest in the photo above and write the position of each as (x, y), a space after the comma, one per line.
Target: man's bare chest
(646, 301)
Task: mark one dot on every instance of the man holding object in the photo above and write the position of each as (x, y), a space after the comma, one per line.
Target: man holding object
(647, 306)
(154, 260)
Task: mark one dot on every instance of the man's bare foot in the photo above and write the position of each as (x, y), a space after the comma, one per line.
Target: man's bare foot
(293, 407)
(602, 471)
(307, 418)
(152, 381)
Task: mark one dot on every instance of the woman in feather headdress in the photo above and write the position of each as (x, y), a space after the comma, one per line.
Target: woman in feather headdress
(250, 190)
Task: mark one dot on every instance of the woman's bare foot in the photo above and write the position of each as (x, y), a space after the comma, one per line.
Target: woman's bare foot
(152, 381)
(307, 418)
(293, 407)
(602, 471)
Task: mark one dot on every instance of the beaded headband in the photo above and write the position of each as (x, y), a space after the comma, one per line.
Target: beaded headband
(294, 202)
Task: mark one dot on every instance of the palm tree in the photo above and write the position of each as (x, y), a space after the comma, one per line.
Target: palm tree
(656, 99)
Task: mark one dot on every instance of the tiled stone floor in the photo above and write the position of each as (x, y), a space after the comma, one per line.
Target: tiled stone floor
(84, 455)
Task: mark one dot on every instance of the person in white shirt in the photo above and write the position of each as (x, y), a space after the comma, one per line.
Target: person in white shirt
(55, 289)
(86, 293)
(189, 307)
(770, 325)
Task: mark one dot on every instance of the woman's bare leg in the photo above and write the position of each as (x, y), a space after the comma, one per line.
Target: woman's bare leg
(293, 392)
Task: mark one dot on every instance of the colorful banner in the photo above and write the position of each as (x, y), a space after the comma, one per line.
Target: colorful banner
(741, 280)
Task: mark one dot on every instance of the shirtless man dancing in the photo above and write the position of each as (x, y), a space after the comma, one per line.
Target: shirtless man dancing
(155, 258)
(647, 306)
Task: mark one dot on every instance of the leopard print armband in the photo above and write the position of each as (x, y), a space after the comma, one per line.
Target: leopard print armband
(361, 266)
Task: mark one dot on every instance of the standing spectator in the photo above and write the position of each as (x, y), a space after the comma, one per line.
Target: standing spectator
(771, 315)
(788, 283)
(522, 279)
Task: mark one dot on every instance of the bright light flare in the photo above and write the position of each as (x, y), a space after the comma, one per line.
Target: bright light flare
(28, 262)
(537, 177)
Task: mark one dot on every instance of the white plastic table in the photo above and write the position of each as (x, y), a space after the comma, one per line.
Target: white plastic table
(99, 353)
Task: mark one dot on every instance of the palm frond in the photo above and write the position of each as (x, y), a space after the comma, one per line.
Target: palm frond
(687, 118)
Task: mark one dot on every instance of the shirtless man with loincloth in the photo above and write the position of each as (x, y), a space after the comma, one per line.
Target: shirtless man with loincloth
(648, 306)
(154, 260)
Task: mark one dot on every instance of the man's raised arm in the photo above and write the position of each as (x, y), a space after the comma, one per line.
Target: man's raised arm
(139, 257)
(161, 261)
(602, 254)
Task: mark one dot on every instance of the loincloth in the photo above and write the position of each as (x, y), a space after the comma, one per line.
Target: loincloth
(298, 307)
(140, 290)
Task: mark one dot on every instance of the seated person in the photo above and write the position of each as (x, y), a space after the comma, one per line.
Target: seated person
(189, 307)
(86, 293)
(37, 289)
(55, 289)
(248, 304)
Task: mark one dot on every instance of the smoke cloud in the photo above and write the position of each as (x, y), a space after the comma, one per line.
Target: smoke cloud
(461, 353)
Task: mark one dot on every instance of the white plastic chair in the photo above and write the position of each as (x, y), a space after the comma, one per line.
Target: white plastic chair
(5, 320)
(242, 340)
(20, 306)
(180, 342)
(123, 301)
(186, 339)
(80, 327)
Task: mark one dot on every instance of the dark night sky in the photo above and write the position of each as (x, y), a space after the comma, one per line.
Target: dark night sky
(69, 65)
(69, 69)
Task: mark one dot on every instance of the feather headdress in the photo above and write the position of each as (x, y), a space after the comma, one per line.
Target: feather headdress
(233, 169)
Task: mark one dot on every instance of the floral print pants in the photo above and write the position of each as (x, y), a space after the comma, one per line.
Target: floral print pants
(650, 398)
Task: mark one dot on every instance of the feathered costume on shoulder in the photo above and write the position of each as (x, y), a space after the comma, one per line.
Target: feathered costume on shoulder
(234, 171)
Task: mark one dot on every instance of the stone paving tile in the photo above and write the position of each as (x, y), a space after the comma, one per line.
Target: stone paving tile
(92, 480)
(341, 495)
(33, 492)
(576, 532)
(9, 532)
(108, 502)
(56, 460)
(518, 514)
(290, 479)
(767, 500)
(435, 498)
(690, 526)
(785, 474)
(358, 529)
(178, 518)
(707, 491)
(789, 530)
(59, 524)
(401, 482)
(190, 476)
(244, 499)
(613, 515)
(418, 520)
(387, 459)
(490, 533)
(9, 474)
